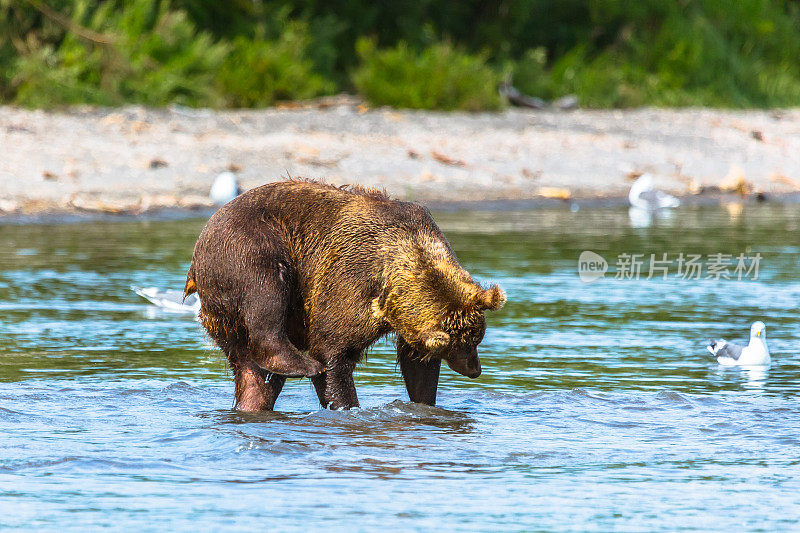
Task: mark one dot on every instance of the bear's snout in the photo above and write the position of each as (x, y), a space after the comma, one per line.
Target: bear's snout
(465, 363)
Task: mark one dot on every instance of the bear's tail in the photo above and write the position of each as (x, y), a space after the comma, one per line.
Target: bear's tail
(191, 286)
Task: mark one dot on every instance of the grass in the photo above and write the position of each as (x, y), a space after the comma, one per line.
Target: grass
(432, 55)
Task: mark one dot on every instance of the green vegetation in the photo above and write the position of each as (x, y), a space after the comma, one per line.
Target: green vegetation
(428, 54)
(438, 77)
(259, 72)
(711, 52)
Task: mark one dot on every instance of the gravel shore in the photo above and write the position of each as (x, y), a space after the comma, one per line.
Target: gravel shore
(133, 159)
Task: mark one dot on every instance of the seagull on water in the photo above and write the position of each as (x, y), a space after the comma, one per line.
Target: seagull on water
(224, 189)
(170, 300)
(755, 353)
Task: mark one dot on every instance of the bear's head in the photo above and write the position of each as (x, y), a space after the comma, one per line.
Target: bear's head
(460, 328)
(439, 311)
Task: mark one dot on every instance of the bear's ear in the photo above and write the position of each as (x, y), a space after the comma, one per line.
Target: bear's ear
(492, 298)
(434, 340)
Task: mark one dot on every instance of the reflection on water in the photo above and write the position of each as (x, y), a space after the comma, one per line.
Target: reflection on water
(599, 407)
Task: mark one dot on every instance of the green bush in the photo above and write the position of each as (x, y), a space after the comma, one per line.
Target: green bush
(257, 73)
(530, 74)
(439, 77)
(149, 55)
(699, 52)
(145, 52)
(611, 53)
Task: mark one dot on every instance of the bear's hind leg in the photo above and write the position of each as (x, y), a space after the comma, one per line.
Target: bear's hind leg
(256, 389)
(265, 314)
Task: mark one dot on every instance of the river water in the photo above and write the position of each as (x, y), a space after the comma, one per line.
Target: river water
(598, 407)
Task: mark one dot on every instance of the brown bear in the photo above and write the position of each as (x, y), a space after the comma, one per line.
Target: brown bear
(298, 278)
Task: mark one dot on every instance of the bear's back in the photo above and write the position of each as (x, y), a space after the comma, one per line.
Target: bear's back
(310, 206)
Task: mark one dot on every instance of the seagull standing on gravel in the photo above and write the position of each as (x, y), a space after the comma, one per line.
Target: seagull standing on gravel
(644, 196)
(755, 353)
(647, 202)
(224, 189)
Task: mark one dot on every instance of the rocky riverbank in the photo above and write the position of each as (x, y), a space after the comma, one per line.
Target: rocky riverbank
(134, 160)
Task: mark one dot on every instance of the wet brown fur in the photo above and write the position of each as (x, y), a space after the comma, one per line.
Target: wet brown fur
(298, 278)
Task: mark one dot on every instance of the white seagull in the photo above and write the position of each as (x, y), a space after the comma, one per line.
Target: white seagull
(170, 300)
(224, 189)
(644, 196)
(755, 353)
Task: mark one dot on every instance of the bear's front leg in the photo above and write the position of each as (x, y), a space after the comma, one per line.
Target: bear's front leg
(335, 387)
(421, 375)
